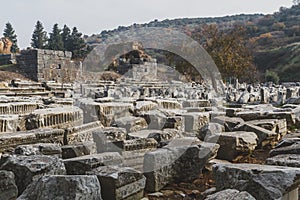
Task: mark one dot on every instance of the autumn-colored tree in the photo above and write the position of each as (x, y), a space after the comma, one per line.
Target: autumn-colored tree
(229, 51)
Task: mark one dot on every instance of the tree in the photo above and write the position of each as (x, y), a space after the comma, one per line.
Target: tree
(55, 41)
(66, 34)
(77, 45)
(271, 76)
(9, 33)
(229, 51)
(39, 36)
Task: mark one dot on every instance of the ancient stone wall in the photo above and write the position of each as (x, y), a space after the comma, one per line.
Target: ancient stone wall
(6, 59)
(49, 65)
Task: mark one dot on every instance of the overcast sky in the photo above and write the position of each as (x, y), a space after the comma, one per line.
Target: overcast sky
(93, 16)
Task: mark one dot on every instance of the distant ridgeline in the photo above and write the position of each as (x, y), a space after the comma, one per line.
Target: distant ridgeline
(273, 39)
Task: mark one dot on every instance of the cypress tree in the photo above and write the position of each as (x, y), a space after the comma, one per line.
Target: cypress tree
(39, 36)
(55, 41)
(66, 34)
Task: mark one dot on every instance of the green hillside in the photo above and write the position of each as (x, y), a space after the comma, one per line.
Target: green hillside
(273, 39)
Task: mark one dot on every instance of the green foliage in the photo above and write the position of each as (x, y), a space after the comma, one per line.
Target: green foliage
(55, 41)
(39, 36)
(229, 51)
(66, 34)
(271, 76)
(9, 33)
(65, 40)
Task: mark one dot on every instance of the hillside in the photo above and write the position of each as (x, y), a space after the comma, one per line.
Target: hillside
(273, 39)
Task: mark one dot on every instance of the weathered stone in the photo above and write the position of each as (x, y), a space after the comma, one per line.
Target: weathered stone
(196, 103)
(209, 130)
(236, 143)
(8, 188)
(195, 121)
(108, 112)
(292, 149)
(144, 106)
(83, 164)
(156, 119)
(290, 160)
(276, 125)
(133, 151)
(230, 194)
(168, 104)
(265, 137)
(104, 138)
(76, 150)
(255, 115)
(8, 123)
(83, 133)
(28, 168)
(39, 149)
(10, 140)
(244, 98)
(120, 182)
(175, 122)
(176, 162)
(230, 123)
(131, 123)
(261, 181)
(63, 187)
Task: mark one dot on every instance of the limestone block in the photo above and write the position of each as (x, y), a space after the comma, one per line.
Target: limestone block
(119, 183)
(131, 123)
(63, 187)
(83, 164)
(174, 163)
(289, 160)
(77, 150)
(8, 188)
(28, 168)
(264, 182)
(230, 194)
(39, 149)
(236, 143)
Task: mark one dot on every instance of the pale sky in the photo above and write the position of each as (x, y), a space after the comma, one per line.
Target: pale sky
(93, 16)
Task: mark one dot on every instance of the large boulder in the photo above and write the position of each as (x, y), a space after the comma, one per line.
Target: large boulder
(209, 130)
(131, 123)
(104, 138)
(83, 164)
(236, 143)
(120, 182)
(8, 188)
(264, 182)
(230, 194)
(292, 149)
(265, 137)
(28, 168)
(58, 187)
(39, 149)
(182, 160)
(290, 160)
(76, 150)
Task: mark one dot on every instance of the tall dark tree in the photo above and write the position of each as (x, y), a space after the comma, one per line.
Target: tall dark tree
(77, 44)
(9, 33)
(39, 36)
(66, 34)
(55, 41)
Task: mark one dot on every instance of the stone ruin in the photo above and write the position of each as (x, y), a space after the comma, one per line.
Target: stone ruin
(146, 139)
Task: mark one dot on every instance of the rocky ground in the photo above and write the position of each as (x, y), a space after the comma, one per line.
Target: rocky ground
(128, 140)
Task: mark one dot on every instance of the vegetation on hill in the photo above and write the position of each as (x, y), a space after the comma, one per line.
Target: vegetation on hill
(272, 40)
